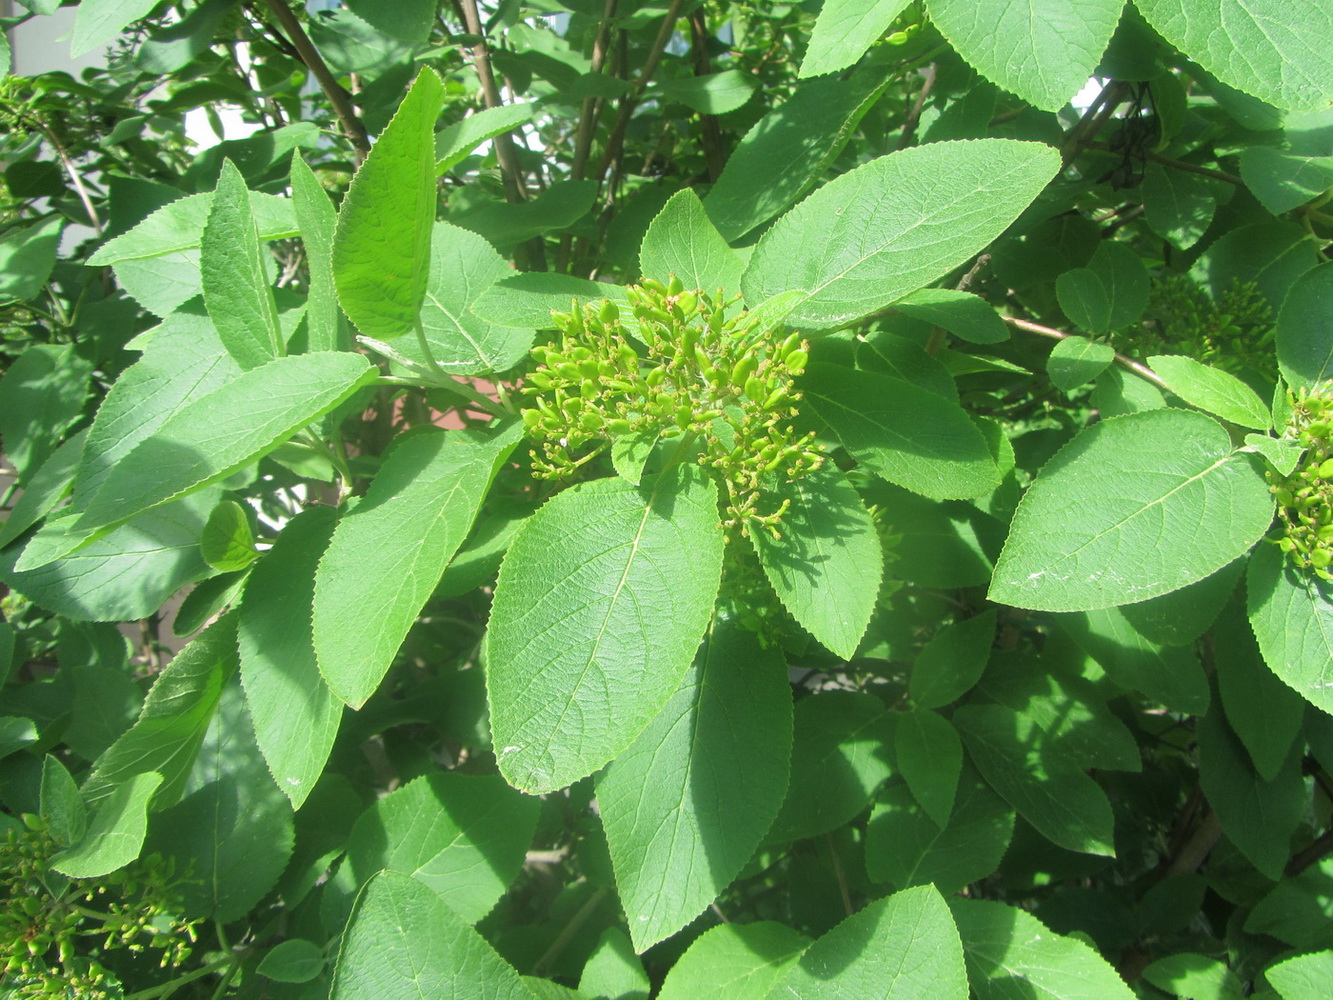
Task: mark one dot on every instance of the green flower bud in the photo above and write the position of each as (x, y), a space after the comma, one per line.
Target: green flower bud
(1326, 469)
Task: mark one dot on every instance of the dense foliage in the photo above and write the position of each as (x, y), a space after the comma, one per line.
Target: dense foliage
(673, 498)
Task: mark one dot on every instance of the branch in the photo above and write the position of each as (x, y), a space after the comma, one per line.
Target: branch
(1303, 859)
(351, 122)
(505, 152)
(592, 107)
(1139, 369)
(1195, 850)
(914, 116)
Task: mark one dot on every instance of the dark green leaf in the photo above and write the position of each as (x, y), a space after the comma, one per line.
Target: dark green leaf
(296, 960)
(930, 757)
(961, 313)
(952, 661)
(41, 394)
(713, 93)
(1109, 294)
(61, 805)
(228, 541)
(27, 257)
(1292, 616)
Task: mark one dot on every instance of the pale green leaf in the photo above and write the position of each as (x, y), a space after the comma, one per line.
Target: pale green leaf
(908, 435)
(405, 20)
(318, 220)
(1212, 390)
(1302, 977)
(100, 21)
(1075, 361)
(115, 832)
(1133, 507)
(1282, 180)
(930, 757)
(738, 961)
(228, 542)
(454, 142)
(678, 826)
(403, 942)
(463, 835)
(961, 313)
(1283, 454)
(1304, 348)
(712, 93)
(48, 485)
(952, 661)
(629, 454)
(212, 437)
(681, 241)
(893, 225)
(613, 971)
(387, 555)
(294, 713)
(1189, 974)
(1043, 51)
(41, 394)
(905, 947)
(843, 32)
(27, 257)
(381, 250)
(825, 564)
(601, 603)
(1011, 953)
(179, 225)
(1292, 615)
(1280, 52)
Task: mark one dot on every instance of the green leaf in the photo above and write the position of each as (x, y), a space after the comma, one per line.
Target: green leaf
(234, 826)
(679, 831)
(317, 219)
(454, 142)
(387, 555)
(1280, 53)
(838, 760)
(712, 93)
(843, 32)
(1302, 977)
(172, 47)
(1076, 361)
(613, 971)
(1304, 350)
(738, 961)
(891, 226)
(41, 394)
(1180, 617)
(405, 20)
(904, 947)
(97, 22)
(403, 942)
(506, 225)
(179, 226)
(952, 661)
(115, 833)
(905, 847)
(961, 313)
(630, 452)
(1212, 390)
(1011, 953)
(1109, 294)
(1043, 51)
(1298, 909)
(1188, 974)
(906, 434)
(214, 436)
(381, 250)
(236, 285)
(787, 151)
(1283, 454)
(1282, 180)
(526, 300)
(1274, 255)
(681, 241)
(1177, 206)
(16, 733)
(1133, 507)
(1292, 616)
(1117, 392)
(930, 757)
(27, 257)
(902, 358)
(176, 715)
(295, 715)
(228, 542)
(296, 960)
(61, 805)
(599, 609)
(826, 564)
(1259, 816)
(464, 836)
(47, 486)
(1050, 791)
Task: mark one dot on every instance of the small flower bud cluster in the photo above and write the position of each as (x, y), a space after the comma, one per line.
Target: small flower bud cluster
(699, 372)
(1233, 333)
(1305, 498)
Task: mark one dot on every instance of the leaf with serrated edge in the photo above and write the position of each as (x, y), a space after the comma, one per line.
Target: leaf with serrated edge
(318, 220)
(737, 961)
(602, 600)
(1213, 390)
(681, 241)
(1292, 616)
(115, 832)
(843, 32)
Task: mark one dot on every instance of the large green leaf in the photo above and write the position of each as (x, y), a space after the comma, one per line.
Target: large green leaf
(1304, 349)
(1280, 52)
(909, 435)
(1212, 390)
(27, 257)
(1011, 953)
(179, 225)
(381, 251)
(318, 220)
(1037, 778)
(1302, 977)
(463, 835)
(1282, 180)
(387, 555)
(215, 435)
(825, 563)
(895, 224)
(601, 603)
(678, 825)
(904, 947)
(681, 241)
(930, 756)
(1292, 616)
(99, 21)
(1133, 507)
(1043, 51)
(403, 942)
(739, 961)
(236, 286)
(1108, 294)
(294, 713)
(41, 394)
(843, 32)
(115, 832)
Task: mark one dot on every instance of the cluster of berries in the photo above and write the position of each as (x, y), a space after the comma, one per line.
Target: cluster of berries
(1305, 498)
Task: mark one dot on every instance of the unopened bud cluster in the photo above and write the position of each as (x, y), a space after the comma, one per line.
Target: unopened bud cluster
(1305, 498)
(704, 369)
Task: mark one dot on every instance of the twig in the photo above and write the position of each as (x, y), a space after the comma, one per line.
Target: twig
(914, 115)
(1139, 369)
(839, 874)
(592, 107)
(352, 125)
(711, 139)
(567, 933)
(1194, 850)
(1303, 859)
(1098, 114)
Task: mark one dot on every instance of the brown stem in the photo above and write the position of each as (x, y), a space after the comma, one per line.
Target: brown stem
(1192, 854)
(352, 125)
(505, 152)
(914, 116)
(591, 109)
(1098, 114)
(1139, 369)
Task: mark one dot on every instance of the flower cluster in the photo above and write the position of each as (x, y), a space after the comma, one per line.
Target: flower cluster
(1305, 498)
(54, 929)
(684, 364)
(1233, 333)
